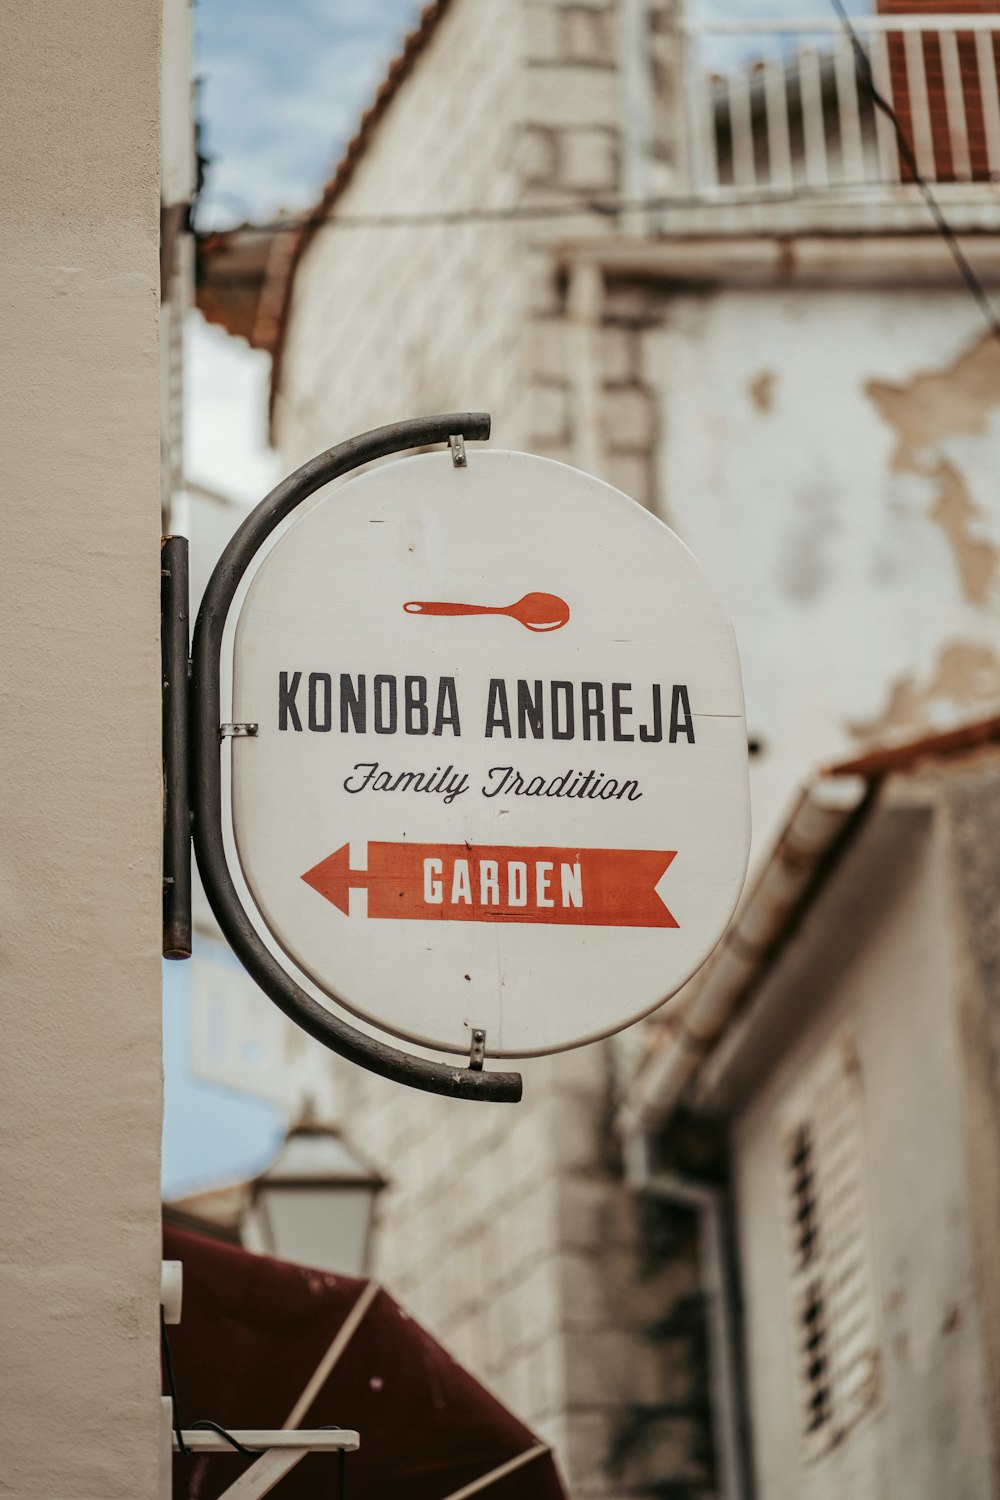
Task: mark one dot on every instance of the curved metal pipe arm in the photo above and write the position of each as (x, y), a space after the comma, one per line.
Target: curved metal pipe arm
(321, 1023)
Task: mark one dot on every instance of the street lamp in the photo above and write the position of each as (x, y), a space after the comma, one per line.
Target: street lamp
(315, 1203)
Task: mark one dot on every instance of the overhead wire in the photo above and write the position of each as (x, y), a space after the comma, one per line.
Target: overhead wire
(609, 207)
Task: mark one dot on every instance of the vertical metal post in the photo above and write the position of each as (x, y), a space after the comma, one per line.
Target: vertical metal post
(717, 1275)
(166, 1448)
(174, 638)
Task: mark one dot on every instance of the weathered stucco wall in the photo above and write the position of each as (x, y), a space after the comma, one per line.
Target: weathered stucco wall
(80, 1080)
(827, 454)
(830, 456)
(893, 989)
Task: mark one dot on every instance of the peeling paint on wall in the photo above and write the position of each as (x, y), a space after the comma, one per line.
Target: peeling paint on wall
(943, 403)
(955, 512)
(923, 413)
(761, 390)
(832, 458)
(964, 675)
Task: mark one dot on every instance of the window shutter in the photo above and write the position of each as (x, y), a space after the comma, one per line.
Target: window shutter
(831, 1289)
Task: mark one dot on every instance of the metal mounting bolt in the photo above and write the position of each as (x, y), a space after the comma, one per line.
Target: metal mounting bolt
(457, 445)
(238, 731)
(477, 1050)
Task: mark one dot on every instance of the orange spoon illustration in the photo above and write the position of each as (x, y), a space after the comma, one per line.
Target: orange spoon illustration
(534, 611)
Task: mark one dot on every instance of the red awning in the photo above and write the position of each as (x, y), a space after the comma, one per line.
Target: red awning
(265, 1344)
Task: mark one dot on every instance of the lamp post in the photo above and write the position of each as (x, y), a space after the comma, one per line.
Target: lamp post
(315, 1203)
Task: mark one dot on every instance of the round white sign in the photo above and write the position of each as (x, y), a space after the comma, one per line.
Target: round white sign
(500, 777)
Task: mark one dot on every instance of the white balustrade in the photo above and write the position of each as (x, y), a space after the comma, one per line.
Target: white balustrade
(779, 107)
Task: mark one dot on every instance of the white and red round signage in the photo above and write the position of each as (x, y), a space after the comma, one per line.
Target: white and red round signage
(500, 776)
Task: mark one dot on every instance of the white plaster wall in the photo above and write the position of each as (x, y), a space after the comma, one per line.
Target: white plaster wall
(928, 1435)
(830, 456)
(80, 1078)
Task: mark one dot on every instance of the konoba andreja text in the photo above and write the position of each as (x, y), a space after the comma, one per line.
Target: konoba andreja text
(524, 709)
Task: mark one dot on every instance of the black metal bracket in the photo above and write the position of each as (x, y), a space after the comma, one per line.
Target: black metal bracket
(174, 633)
(206, 767)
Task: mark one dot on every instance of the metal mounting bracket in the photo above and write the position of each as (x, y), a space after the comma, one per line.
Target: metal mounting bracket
(206, 766)
(280, 1451)
(175, 667)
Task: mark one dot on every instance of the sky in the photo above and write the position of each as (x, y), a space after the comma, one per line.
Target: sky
(210, 1134)
(225, 408)
(281, 90)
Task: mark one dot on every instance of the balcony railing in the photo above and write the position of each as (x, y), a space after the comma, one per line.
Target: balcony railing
(778, 127)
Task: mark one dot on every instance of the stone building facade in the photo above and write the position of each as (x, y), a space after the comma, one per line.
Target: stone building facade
(846, 1058)
(509, 1232)
(800, 386)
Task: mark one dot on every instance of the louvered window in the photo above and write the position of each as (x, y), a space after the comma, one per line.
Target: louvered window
(832, 1301)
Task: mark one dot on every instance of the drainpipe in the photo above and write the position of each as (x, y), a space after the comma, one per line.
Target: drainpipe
(825, 811)
(715, 1279)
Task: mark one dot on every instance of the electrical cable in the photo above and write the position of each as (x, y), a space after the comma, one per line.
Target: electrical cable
(205, 1423)
(609, 207)
(168, 1366)
(863, 66)
(171, 1385)
(341, 1461)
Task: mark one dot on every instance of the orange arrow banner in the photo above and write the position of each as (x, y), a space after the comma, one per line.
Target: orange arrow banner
(456, 883)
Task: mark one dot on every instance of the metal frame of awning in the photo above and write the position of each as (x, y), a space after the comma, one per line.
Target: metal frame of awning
(283, 1449)
(280, 1451)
